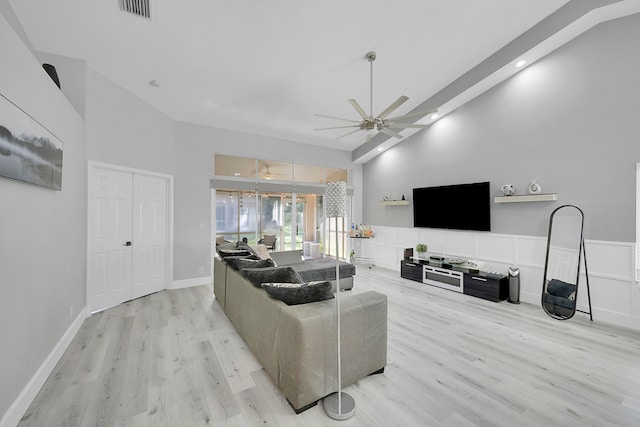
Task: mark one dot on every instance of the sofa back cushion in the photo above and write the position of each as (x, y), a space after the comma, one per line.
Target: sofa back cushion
(258, 276)
(299, 293)
(254, 263)
(232, 260)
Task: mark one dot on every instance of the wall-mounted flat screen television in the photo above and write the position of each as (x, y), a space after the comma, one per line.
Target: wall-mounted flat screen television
(457, 207)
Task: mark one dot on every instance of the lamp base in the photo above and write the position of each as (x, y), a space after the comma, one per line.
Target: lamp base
(331, 406)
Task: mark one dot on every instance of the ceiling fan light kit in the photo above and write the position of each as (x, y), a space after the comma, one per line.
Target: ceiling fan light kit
(371, 124)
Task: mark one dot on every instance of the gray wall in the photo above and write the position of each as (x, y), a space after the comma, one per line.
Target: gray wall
(123, 130)
(571, 119)
(72, 74)
(42, 232)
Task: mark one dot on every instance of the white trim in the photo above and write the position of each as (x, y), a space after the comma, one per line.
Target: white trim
(637, 247)
(17, 410)
(190, 283)
(91, 166)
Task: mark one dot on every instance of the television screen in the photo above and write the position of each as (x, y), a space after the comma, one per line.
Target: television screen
(457, 207)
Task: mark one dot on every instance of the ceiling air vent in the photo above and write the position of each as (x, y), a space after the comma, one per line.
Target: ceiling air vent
(137, 7)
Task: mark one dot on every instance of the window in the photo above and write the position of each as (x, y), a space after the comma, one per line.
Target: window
(257, 196)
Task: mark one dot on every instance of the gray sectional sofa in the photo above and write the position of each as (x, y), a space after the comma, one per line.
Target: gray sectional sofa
(296, 344)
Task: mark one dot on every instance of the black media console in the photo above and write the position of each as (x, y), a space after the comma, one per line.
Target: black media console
(456, 277)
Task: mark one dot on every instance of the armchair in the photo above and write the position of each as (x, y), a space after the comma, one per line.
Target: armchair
(269, 240)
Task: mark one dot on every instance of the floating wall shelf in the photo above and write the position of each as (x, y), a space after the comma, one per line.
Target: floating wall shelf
(549, 197)
(394, 202)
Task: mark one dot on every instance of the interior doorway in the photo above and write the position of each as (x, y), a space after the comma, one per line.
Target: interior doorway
(128, 250)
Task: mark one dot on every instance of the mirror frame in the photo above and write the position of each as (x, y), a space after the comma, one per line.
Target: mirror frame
(545, 282)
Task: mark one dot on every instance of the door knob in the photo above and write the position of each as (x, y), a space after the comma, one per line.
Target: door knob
(127, 244)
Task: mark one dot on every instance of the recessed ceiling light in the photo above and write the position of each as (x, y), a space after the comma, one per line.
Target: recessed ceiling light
(236, 174)
(520, 63)
(380, 148)
(154, 83)
(434, 116)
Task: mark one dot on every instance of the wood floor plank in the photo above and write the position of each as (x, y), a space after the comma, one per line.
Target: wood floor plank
(174, 359)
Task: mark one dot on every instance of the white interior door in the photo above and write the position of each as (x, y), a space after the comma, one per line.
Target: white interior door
(110, 222)
(127, 236)
(149, 234)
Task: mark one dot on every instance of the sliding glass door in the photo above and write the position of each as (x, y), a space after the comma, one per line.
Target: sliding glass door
(236, 216)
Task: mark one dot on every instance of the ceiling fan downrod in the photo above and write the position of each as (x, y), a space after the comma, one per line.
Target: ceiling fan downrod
(371, 56)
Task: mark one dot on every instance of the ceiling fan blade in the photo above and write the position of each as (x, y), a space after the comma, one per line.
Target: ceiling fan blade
(359, 109)
(398, 102)
(406, 126)
(339, 127)
(410, 115)
(348, 133)
(390, 132)
(337, 118)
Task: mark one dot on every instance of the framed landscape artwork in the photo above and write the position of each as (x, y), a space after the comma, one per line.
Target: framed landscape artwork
(28, 151)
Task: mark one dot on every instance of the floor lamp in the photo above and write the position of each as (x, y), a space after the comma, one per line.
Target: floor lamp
(339, 406)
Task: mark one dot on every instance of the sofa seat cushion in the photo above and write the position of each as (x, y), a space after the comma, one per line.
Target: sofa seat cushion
(258, 276)
(299, 293)
(323, 269)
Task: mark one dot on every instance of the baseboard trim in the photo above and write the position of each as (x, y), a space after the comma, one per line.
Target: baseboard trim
(17, 410)
(190, 283)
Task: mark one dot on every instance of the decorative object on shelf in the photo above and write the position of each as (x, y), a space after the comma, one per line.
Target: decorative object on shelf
(339, 405)
(421, 249)
(352, 255)
(534, 187)
(403, 197)
(359, 230)
(385, 198)
(455, 260)
(508, 190)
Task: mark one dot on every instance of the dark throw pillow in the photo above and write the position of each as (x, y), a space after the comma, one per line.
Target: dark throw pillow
(233, 260)
(294, 293)
(258, 276)
(232, 252)
(234, 249)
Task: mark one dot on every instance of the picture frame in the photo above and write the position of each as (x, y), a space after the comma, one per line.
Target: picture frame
(29, 152)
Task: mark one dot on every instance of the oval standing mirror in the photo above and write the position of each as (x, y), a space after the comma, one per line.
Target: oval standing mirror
(562, 264)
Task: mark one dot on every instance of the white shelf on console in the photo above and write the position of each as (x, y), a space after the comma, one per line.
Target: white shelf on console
(549, 197)
(394, 202)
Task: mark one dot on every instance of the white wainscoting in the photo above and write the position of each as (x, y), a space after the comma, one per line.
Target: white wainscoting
(615, 295)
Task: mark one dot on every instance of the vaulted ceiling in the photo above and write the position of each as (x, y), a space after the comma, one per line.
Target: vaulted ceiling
(267, 67)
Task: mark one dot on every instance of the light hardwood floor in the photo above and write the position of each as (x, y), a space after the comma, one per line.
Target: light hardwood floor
(173, 359)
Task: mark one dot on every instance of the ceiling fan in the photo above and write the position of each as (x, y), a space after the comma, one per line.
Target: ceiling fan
(380, 123)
